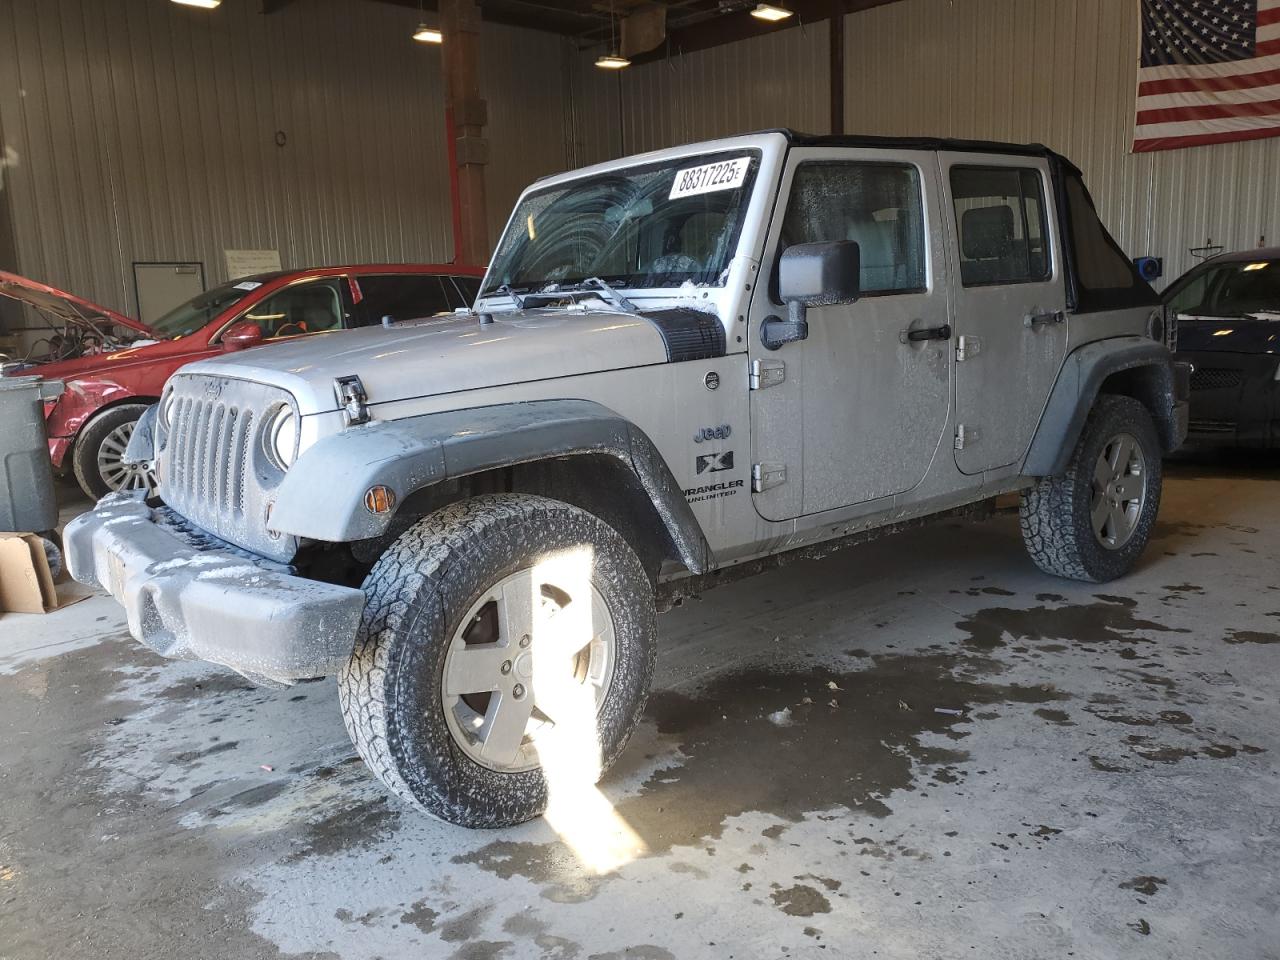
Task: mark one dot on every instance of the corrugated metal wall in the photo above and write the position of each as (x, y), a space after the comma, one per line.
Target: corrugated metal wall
(1062, 72)
(776, 80)
(147, 131)
(524, 78)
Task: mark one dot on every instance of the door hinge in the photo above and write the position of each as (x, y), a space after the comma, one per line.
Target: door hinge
(967, 347)
(767, 475)
(767, 373)
(965, 436)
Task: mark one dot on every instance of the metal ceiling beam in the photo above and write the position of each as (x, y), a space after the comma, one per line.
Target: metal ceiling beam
(733, 27)
(529, 14)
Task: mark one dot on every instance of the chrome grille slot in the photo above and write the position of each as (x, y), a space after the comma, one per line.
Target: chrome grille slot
(213, 470)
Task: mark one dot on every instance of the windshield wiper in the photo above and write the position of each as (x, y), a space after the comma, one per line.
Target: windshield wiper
(597, 285)
(507, 290)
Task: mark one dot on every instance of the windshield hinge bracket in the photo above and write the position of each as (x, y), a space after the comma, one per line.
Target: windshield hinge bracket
(353, 400)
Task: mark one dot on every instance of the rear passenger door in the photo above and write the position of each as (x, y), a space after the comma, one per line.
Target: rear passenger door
(1009, 303)
(403, 296)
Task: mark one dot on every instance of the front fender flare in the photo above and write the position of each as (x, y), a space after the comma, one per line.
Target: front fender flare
(1079, 382)
(322, 495)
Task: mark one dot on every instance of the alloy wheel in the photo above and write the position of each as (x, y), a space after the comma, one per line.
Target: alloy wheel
(117, 474)
(1119, 491)
(527, 655)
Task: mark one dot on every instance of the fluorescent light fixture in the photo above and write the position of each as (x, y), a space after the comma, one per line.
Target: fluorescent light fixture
(767, 11)
(1257, 266)
(206, 4)
(611, 61)
(426, 34)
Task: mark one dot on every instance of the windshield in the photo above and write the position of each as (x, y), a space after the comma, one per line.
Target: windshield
(195, 314)
(658, 225)
(1233, 289)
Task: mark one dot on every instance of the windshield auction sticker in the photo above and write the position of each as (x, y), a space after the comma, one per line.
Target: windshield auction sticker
(722, 175)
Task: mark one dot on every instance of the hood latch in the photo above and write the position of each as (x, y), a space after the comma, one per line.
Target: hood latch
(353, 400)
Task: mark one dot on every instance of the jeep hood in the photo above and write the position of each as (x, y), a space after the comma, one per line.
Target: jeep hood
(65, 307)
(447, 355)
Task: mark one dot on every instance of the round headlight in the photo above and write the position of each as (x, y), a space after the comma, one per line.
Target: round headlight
(166, 410)
(1155, 326)
(282, 437)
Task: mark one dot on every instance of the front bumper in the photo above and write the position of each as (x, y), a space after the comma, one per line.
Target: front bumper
(187, 601)
(1235, 399)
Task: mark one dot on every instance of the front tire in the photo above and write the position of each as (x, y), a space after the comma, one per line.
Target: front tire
(99, 451)
(1093, 522)
(506, 640)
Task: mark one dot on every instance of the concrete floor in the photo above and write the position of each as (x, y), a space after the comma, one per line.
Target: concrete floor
(1103, 783)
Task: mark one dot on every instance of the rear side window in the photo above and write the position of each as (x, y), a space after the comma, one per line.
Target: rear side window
(1099, 263)
(877, 204)
(1001, 225)
(403, 296)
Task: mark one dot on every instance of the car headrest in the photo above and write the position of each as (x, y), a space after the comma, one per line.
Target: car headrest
(987, 232)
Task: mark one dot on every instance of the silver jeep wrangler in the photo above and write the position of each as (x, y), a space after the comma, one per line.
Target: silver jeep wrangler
(682, 366)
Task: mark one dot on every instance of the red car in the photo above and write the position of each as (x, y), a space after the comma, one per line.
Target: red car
(114, 367)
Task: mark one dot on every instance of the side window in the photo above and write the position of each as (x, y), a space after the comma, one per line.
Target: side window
(877, 204)
(1099, 263)
(1191, 298)
(309, 307)
(402, 297)
(1001, 224)
(1249, 288)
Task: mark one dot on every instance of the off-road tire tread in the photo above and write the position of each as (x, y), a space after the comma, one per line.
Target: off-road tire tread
(397, 585)
(1049, 513)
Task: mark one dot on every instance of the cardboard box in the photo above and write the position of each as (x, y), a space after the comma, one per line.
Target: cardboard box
(26, 582)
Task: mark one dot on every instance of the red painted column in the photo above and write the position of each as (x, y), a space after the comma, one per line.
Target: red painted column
(465, 115)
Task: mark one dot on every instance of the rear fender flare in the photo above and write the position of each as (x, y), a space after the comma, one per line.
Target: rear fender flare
(322, 495)
(1079, 382)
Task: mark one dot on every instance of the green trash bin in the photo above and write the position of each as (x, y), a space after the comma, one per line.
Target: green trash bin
(27, 500)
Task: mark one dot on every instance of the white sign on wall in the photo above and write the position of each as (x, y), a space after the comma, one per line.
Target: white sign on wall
(245, 263)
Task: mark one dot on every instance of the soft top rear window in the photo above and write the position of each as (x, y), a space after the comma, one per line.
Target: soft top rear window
(1104, 277)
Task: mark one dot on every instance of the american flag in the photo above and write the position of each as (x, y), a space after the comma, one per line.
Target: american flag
(1209, 73)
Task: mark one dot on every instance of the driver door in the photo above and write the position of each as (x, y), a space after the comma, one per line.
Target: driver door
(312, 306)
(856, 411)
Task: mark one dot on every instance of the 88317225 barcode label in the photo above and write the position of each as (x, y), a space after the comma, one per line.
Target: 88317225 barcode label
(710, 177)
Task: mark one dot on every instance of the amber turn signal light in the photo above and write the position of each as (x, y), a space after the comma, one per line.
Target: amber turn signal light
(379, 499)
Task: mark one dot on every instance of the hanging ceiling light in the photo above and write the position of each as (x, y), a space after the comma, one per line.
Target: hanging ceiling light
(206, 4)
(613, 60)
(767, 11)
(425, 33)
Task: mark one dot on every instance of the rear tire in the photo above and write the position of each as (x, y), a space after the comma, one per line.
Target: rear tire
(98, 448)
(1093, 522)
(443, 615)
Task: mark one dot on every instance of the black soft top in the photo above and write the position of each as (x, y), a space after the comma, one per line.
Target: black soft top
(798, 139)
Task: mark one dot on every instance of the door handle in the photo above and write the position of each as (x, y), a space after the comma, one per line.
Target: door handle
(1033, 320)
(927, 333)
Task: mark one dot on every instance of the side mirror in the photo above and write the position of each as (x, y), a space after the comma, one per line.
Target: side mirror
(242, 336)
(812, 275)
